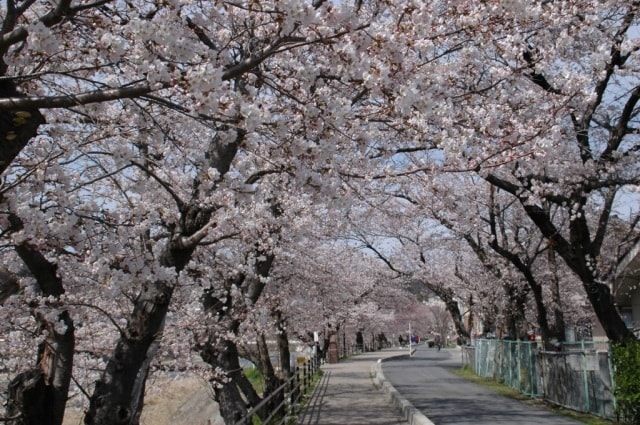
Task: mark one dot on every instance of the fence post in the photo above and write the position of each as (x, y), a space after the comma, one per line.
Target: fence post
(288, 395)
(613, 382)
(510, 362)
(295, 389)
(518, 353)
(540, 359)
(533, 363)
(487, 359)
(305, 378)
(585, 379)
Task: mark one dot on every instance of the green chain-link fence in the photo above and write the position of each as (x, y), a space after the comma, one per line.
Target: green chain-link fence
(579, 377)
(579, 380)
(511, 362)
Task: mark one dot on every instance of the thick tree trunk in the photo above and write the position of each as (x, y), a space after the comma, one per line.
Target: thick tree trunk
(470, 319)
(516, 323)
(236, 393)
(118, 395)
(282, 340)
(223, 353)
(541, 316)
(604, 306)
(600, 298)
(558, 331)
(451, 304)
(39, 396)
(16, 127)
(230, 395)
(448, 297)
(580, 255)
(461, 329)
(489, 318)
(232, 407)
(29, 399)
(271, 380)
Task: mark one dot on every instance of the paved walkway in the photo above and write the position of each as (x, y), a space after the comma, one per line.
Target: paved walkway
(356, 392)
(346, 394)
(425, 385)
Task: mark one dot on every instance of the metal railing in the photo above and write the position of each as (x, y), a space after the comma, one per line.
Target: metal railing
(285, 401)
(578, 378)
(511, 362)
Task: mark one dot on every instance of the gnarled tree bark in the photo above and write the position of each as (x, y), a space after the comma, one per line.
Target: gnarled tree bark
(17, 127)
(118, 395)
(38, 396)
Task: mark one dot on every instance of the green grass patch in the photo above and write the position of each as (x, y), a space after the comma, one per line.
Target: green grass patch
(467, 373)
(255, 377)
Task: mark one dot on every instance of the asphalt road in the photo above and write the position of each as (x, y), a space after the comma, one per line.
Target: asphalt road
(426, 381)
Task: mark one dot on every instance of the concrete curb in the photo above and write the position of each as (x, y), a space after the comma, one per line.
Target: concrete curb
(410, 413)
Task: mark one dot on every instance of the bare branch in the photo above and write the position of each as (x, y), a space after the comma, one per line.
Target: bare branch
(258, 175)
(188, 242)
(179, 202)
(621, 128)
(103, 311)
(70, 100)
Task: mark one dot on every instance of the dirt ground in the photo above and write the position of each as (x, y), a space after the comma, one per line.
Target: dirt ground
(181, 401)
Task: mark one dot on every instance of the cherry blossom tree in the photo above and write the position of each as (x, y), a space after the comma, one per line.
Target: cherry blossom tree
(537, 99)
(262, 299)
(212, 66)
(139, 137)
(495, 225)
(512, 260)
(328, 285)
(593, 132)
(413, 248)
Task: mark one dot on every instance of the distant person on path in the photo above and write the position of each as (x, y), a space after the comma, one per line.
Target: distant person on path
(437, 340)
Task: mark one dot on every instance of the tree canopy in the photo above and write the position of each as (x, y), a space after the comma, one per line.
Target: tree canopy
(183, 177)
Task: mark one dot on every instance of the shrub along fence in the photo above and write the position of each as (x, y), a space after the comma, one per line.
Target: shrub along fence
(626, 361)
(289, 395)
(578, 377)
